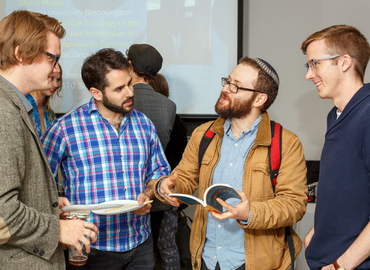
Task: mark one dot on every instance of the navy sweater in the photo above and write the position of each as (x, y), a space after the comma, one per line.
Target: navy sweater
(343, 201)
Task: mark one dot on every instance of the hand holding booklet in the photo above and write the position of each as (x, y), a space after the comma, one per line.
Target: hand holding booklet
(222, 191)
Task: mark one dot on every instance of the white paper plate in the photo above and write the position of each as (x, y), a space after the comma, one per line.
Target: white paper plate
(104, 205)
(125, 206)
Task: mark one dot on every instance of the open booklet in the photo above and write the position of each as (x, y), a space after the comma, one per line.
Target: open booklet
(222, 191)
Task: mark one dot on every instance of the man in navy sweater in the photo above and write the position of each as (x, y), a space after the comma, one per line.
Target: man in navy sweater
(340, 239)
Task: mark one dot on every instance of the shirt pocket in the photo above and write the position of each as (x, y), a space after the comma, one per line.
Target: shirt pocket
(268, 242)
(207, 158)
(261, 187)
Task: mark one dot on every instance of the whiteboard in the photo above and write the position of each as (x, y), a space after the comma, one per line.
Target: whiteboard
(197, 39)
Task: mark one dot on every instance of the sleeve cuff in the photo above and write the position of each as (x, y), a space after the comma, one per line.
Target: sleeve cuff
(246, 222)
(159, 187)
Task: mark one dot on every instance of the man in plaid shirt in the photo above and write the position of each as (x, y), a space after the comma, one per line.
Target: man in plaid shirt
(108, 151)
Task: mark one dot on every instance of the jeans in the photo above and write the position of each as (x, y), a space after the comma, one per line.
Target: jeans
(140, 258)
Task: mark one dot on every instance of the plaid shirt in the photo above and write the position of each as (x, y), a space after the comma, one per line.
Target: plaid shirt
(99, 164)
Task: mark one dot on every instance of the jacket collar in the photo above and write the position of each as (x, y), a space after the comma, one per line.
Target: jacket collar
(141, 86)
(12, 95)
(12, 92)
(263, 133)
(359, 97)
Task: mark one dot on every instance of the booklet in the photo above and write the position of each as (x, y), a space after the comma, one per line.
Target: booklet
(222, 191)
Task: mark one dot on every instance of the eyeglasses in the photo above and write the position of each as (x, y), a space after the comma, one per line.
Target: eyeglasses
(234, 88)
(55, 57)
(312, 63)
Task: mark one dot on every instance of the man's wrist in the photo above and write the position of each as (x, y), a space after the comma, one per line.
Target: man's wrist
(337, 266)
(246, 222)
(149, 190)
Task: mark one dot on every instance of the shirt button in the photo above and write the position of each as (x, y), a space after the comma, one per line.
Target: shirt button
(56, 204)
(123, 171)
(42, 253)
(215, 257)
(218, 247)
(231, 164)
(219, 225)
(124, 189)
(120, 155)
(36, 250)
(236, 144)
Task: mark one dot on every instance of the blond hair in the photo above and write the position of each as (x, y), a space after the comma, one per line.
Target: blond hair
(343, 39)
(27, 31)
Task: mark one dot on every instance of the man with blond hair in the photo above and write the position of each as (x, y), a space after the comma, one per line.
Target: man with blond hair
(337, 57)
(31, 234)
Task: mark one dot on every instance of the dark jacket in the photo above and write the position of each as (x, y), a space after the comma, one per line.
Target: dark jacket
(161, 111)
(158, 108)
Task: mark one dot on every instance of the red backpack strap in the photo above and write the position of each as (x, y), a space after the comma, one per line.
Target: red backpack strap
(206, 140)
(275, 152)
(274, 161)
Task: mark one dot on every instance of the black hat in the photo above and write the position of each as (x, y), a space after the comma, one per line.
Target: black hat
(268, 69)
(145, 58)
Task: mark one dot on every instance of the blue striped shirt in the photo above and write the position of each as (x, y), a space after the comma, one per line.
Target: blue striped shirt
(100, 164)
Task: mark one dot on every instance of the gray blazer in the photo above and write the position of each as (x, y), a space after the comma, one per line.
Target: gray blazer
(162, 112)
(29, 210)
(158, 108)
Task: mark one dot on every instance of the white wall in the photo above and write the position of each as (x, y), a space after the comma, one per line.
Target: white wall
(274, 31)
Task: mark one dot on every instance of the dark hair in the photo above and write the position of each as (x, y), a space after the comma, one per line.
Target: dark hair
(264, 83)
(96, 67)
(139, 73)
(160, 85)
(343, 39)
(28, 31)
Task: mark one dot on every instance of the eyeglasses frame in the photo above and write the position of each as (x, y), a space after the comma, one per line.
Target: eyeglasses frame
(55, 57)
(237, 87)
(310, 64)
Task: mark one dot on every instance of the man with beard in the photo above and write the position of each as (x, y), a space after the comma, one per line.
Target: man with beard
(108, 151)
(251, 233)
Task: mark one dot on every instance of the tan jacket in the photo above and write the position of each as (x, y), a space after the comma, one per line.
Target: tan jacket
(265, 244)
(29, 209)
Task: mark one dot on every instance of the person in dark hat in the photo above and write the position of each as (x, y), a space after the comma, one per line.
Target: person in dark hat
(146, 62)
(253, 232)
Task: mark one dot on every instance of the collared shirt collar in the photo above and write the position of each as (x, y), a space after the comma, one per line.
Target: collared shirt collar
(92, 107)
(227, 126)
(338, 113)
